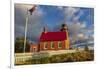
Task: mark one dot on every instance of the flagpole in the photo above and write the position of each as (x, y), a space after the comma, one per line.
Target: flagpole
(26, 22)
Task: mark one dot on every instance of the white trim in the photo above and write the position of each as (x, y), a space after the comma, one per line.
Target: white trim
(59, 44)
(44, 45)
(51, 45)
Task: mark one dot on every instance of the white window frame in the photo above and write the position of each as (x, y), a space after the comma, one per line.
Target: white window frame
(59, 44)
(52, 45)
(45, 43)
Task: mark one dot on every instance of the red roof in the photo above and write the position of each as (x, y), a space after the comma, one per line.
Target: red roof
(53, 36)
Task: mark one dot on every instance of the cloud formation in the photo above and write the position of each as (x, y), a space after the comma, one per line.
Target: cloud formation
(78, 29)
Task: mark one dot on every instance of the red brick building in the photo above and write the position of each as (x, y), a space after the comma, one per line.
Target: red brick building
(55, 40)
(33, 48)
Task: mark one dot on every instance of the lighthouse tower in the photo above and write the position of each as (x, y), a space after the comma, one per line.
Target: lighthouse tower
(64, 28)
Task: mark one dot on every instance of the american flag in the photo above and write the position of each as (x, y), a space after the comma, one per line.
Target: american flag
(32, 9)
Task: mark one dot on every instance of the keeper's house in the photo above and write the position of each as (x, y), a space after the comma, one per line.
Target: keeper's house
(54, 40)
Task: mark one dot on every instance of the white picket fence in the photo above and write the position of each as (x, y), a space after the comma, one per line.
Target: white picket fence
(20, 58)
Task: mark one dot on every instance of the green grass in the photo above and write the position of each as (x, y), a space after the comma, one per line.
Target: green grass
(62, 58)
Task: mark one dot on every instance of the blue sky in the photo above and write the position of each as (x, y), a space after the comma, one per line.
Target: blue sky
(54, 15)
(79, 20)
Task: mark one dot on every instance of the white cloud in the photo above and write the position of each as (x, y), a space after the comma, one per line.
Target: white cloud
(69, 12)
(80, 35)
(78, 30)
(80, 13)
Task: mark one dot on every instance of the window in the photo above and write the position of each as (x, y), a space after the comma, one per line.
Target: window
(59, 44)
(45, 45)
(52, 44)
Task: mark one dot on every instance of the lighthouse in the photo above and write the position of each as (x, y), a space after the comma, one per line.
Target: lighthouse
(55, 40)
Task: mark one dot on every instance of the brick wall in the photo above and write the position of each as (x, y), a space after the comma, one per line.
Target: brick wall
(33, 48)
(55, 46)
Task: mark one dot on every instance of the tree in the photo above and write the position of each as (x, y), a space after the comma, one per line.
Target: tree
(19, 45)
